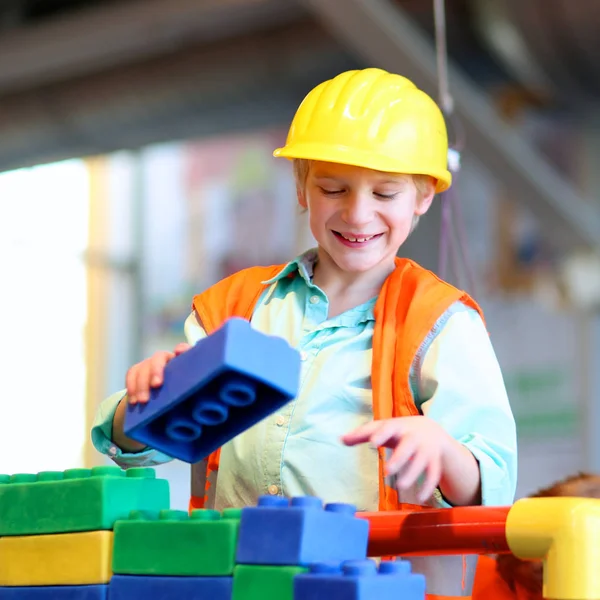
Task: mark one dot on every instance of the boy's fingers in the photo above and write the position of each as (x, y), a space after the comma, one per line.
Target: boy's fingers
(157, 368)
(361, 434)
(417, 465)
(432, 479)
(181, 348)
(143, 383)
(401, 455)
(130, 384)
(387, 434)
(148, 373)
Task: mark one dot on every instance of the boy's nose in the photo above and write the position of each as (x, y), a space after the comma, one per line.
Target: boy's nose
(357, 211)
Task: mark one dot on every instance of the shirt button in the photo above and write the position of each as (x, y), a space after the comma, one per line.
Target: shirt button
(314, 299)
(112, 450)
(273, 489)
(280, 420)
(303, 355)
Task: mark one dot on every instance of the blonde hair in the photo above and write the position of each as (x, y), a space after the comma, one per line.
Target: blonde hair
(301, 167)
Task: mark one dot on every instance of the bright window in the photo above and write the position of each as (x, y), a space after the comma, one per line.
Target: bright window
(43, 306)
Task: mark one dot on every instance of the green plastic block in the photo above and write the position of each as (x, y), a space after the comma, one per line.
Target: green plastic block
(251, 582)
(177, 544)
(77, 499)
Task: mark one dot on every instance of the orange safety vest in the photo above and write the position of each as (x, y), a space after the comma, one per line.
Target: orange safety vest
(488, 584)
(411, 301)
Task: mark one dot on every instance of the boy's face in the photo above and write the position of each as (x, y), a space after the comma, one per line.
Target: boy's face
(358, 216)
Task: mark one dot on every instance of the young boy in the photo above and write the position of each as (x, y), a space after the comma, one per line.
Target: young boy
(392, 356)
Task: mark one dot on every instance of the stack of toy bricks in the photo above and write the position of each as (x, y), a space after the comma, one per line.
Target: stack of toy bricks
(56, 529)
(108, 534)
(170, 554)
(300, 550)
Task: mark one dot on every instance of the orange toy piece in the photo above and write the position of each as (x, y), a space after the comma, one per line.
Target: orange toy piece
(489, 585)
(561, 532)
(461, 530)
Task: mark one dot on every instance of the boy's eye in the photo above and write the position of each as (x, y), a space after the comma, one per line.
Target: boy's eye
(335, 192)
(331, 192)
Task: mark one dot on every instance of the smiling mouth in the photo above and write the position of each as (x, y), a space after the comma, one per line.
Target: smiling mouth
(356, 239)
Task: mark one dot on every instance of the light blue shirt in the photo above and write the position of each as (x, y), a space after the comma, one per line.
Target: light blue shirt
(455, 380)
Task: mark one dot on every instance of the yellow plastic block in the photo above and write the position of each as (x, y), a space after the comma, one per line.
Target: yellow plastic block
(565, 534)
(60, 559)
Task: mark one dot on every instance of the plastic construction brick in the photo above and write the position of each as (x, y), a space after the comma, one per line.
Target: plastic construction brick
(264, 583)
(360, 580)
(175, 543)
(131, 587)
(277, 532)
(60, 559)
(65, 592)
(77, 499)
(222, 386)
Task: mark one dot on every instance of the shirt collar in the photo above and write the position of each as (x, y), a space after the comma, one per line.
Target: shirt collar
(303, 265)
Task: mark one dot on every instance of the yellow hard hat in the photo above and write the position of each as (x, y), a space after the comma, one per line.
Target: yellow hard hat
(372, 119)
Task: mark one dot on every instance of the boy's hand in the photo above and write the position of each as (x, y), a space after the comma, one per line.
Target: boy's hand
(149, 374)
(418, 443)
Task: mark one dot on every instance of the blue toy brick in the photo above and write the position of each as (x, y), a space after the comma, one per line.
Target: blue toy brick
(222, 386)
(130, 587)
(277, 532)
(360, 580)
(62, 592)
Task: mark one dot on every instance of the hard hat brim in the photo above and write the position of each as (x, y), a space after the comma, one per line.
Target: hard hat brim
(351, 156)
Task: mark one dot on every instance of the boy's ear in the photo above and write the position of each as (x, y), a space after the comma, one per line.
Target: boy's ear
(426, 198)
(301, 197)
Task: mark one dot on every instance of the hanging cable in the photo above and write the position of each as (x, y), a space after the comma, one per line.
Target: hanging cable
(452, 225)
(439, 15)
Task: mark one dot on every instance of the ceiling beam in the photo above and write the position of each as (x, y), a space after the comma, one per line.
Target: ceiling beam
(380, 34)
(103, 37)
(251, 82)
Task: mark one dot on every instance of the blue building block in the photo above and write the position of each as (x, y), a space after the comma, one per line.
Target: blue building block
(360, 580)
(62, 592)
(131, 587)
(222, 386)
(279, 533)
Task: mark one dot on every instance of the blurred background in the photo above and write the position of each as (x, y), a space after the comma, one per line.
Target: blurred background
(136, 170)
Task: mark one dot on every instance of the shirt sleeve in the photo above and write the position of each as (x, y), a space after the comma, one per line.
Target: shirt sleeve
(102, 429)
(460, 386)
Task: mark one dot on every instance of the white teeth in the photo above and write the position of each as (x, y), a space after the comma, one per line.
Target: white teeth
(354, 239)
